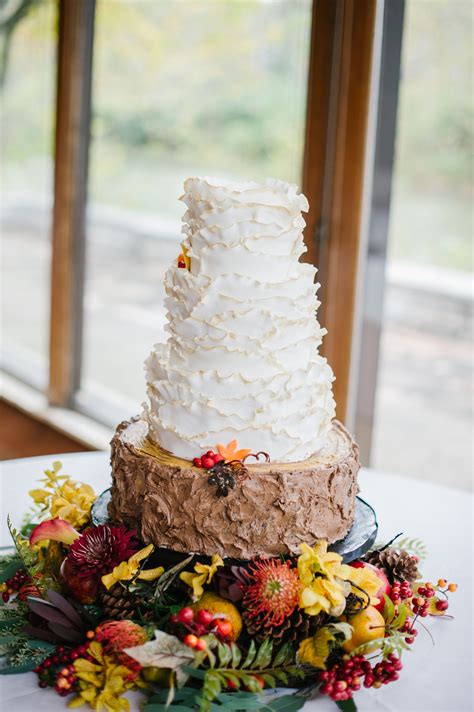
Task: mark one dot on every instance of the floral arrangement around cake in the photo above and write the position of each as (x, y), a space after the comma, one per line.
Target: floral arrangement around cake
(94, 613)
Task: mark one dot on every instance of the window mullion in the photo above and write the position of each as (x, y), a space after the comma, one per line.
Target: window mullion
(334, 167)
(73, 110)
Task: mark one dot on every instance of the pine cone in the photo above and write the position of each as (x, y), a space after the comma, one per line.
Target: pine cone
(397, 565)
(118, 603)
(293, 629)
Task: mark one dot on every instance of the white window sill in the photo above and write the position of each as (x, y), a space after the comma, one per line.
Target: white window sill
(84, 429)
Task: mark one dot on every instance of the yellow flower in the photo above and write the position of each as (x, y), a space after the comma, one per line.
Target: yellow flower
(318, 561)
(64, 498)
(363, 578)
(103, 682)
(321, 573)
(328, 595)
(128, 570)
(204, 574)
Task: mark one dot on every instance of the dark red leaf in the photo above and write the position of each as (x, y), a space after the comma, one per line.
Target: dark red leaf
(68, 634)
(65, 607)
(40, 634)
(48, 611)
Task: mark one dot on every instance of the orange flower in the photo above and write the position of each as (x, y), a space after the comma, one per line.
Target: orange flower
(230, 453)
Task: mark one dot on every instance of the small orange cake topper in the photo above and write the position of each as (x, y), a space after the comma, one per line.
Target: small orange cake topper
(229, 451)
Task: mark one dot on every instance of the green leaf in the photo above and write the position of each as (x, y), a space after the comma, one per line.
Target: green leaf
(193, 672)
(225, 654)
(415, 547)
(281, 676)
(240, 701)
(9, 640)
(18, 669)
(269, 679)
(185, 694)
(284, 655)
(10, 569)
(236, 655)
(11, 621)
(233, 677)
(347, 705)
(156, 707)
(212, 685)
(211, 657)
(250, 682)
(41, 645)
(264, 655)
(388, 609)
(252, 651)
(392, 643)
(285, 703)
(403, 613)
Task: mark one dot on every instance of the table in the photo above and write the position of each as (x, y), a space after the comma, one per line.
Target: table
(434, 679)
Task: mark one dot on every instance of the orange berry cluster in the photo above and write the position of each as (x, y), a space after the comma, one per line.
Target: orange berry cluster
(428, 590)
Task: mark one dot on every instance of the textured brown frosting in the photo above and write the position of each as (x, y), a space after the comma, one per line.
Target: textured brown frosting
(279, 506)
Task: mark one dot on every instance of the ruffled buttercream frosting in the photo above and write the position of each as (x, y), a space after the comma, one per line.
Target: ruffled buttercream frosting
(241, 361)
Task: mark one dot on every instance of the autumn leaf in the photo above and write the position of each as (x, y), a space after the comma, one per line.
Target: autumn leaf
(229, 451)
(165, 651)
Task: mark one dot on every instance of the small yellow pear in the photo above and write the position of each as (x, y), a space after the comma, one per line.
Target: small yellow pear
(368, 625)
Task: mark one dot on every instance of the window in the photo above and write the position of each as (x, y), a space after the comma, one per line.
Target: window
(27, 95)
(214, 88)
(422, 419)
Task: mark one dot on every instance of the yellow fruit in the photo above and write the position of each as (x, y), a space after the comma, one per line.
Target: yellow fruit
(368, 625)
(160, 676)
(218, 606)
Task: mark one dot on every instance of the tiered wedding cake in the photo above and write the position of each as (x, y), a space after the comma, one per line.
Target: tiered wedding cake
(241, 364)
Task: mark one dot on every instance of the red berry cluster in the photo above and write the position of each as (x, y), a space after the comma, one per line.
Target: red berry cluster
(346, 676)
(193, 625)
(208, 460)
(57, 669)
(401, 591)
(14, 584)
(408, 628)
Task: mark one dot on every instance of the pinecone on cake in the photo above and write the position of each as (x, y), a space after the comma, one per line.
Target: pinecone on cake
(396, 565)
(118, 603)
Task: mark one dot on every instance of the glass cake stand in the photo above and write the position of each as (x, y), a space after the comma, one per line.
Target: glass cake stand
(355, 544)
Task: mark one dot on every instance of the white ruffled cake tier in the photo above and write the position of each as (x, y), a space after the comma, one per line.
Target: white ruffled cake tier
(241, 361)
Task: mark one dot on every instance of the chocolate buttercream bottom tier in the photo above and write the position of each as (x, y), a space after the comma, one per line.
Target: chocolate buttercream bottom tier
(277, 507)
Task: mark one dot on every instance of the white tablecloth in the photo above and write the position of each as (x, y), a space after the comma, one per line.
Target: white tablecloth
(434, 679)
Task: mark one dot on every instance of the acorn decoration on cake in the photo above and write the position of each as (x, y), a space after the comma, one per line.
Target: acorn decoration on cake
(225, 467)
